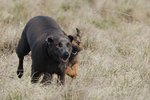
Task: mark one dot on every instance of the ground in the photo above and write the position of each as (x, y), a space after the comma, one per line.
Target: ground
(115, 61)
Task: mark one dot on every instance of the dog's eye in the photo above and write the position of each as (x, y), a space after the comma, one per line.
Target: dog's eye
(59, 45)
(78, 42)
(68, 45)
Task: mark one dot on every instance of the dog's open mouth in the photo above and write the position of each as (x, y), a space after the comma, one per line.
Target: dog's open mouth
(64, 60)
(74, 52)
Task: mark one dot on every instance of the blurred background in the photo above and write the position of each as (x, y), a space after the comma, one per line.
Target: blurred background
(115, 62)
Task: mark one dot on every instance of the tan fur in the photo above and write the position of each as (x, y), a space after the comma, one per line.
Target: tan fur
(72, 68)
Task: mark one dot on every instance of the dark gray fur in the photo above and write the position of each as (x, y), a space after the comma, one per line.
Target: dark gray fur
(47, 43)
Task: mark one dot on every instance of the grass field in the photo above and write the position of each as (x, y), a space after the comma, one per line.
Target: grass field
(115, 62)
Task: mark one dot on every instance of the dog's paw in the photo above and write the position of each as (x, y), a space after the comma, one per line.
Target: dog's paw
(20, 73)
(67, 70)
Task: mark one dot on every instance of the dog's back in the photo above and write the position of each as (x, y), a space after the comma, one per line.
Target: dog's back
(40, 25)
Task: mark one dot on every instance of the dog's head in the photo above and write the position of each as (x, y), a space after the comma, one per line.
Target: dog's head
(76, 42)
(59, 47)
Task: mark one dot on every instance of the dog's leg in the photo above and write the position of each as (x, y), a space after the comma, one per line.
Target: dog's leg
(22, 50)
(61, 79)
(20, 67)
(72, 72)
(46, 78)
(35, 75)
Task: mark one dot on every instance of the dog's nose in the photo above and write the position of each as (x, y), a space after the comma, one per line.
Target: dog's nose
(65, 55)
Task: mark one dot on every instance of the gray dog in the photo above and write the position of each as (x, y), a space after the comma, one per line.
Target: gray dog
(50, 49)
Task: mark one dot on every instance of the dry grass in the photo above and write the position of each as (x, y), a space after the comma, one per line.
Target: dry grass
(115, 64)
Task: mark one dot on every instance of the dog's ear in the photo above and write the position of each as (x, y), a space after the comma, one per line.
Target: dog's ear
(70, 37)
(78, 32)
(49, 40)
